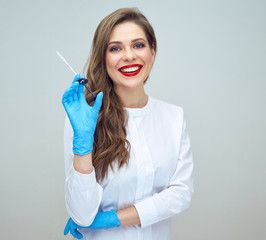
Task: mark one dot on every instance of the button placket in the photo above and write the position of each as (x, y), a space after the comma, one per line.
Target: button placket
(136, 147)
(148, 163)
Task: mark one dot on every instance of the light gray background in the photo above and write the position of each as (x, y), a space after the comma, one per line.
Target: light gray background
(211, 61)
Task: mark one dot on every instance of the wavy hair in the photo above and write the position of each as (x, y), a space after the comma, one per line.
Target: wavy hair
(110, 143)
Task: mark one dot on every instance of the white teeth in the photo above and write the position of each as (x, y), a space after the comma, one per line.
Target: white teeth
(131, 69)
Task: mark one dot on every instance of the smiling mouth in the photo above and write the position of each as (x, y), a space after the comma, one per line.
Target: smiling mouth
(130, 70)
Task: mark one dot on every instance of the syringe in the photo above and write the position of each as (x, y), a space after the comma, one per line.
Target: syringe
(82, 81)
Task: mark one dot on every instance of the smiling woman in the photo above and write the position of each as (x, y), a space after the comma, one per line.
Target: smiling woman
(129, 60)
(128, 161)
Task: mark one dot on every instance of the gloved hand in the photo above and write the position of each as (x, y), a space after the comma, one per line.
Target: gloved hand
(82, 116)
(102, 220)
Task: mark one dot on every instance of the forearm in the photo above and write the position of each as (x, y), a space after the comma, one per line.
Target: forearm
(82, 194)
(83, 163)
(128, 216)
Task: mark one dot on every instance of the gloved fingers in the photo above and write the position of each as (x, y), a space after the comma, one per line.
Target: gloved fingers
(74, 89)
(70, 94)
(98, 102)
(66, 99)
(81, 95)
(77, 77)
(79, 235)
(76, 233)
(67, 227)
(72, 231)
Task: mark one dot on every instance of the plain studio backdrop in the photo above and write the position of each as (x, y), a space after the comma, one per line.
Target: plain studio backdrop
(211, 60)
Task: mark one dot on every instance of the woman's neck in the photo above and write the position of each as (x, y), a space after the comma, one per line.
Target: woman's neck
(129, 98)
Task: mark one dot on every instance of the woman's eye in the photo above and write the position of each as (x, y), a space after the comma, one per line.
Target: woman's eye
(139, 45)
(114, 49)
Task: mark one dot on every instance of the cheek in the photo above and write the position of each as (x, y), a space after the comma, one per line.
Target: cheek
(111, 66)
(147, 57)
(111, 62)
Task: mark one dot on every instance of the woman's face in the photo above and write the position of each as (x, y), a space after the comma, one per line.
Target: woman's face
(129, 58)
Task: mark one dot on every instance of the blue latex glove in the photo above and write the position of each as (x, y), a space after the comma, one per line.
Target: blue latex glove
(82, 116)
(102, 220)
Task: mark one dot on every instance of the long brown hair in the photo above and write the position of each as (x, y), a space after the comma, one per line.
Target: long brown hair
(110, 143)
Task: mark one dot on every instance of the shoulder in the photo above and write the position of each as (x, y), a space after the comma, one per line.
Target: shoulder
(168, 110)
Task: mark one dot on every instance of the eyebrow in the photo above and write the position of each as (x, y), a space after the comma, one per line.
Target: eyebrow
(119, 42)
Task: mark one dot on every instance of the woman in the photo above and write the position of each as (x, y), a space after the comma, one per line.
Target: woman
(130, 169)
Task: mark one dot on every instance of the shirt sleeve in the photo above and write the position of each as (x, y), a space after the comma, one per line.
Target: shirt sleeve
(82, 192)
(176, 198)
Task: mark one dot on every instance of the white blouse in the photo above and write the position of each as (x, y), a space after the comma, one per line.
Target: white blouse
(157, 181)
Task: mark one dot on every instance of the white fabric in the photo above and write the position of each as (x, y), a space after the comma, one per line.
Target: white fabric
(158, 179)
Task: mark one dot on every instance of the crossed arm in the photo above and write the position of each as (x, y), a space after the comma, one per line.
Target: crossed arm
(127, 216)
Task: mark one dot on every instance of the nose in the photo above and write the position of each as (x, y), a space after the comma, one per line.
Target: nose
(129, 54)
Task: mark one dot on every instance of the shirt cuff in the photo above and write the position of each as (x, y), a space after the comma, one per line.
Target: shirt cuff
(147, 212)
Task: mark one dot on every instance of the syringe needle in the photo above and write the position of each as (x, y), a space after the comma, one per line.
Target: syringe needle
(82, 81)
(65, 61)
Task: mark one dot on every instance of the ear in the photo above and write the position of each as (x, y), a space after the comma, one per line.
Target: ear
(153, 51)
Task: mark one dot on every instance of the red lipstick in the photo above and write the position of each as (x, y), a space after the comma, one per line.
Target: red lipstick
(130, 70)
